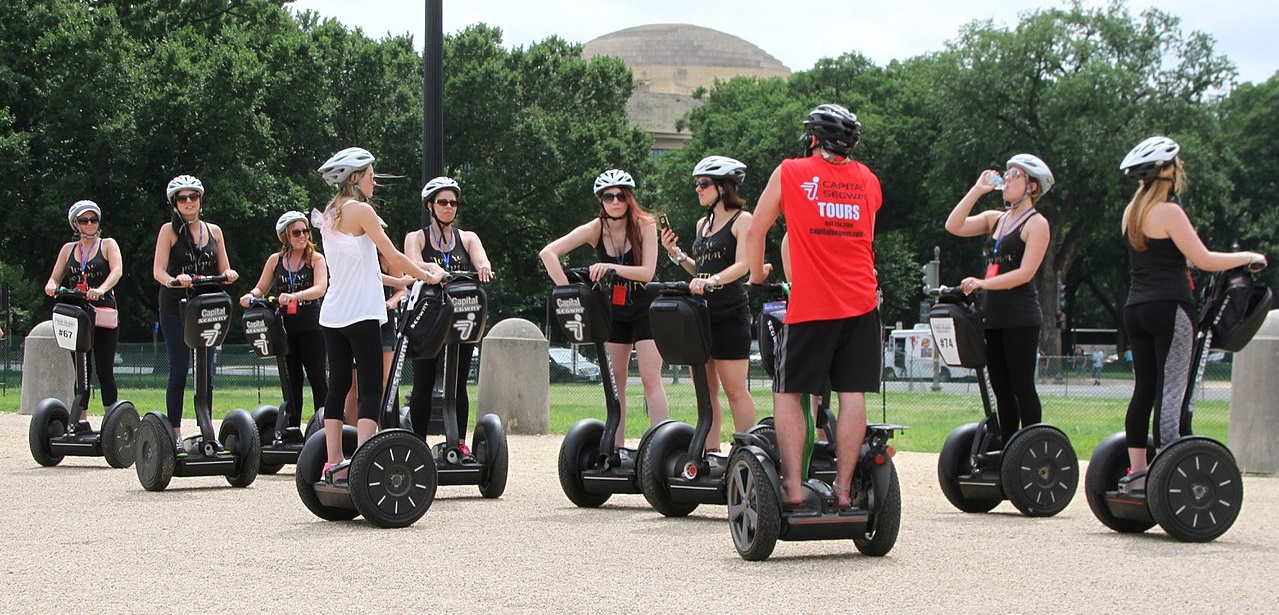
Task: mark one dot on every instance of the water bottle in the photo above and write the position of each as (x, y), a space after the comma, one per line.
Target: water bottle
(996, 180)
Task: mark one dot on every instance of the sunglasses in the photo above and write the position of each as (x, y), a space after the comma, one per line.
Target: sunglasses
(299, 232)
(87, 220)
(182, 198)
(1013, 174)
(609, 197)
(703, 183)
(447, 202)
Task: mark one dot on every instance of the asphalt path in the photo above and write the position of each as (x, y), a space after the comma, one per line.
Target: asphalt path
(85, 538)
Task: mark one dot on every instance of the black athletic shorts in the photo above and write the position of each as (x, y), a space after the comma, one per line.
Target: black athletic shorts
(847, 351)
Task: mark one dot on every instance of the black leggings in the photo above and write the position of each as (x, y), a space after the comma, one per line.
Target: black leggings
(179, 363)
(360, 343)
(104, 345)
(306, 351)
(1011, 356)
(424, 385)
(1161, 335)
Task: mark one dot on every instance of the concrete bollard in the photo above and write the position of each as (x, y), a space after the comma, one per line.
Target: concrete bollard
(515, 377)
(1254, 430)
(47, 370)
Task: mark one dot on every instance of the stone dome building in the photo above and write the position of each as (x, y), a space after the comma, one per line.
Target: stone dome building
(670, 61)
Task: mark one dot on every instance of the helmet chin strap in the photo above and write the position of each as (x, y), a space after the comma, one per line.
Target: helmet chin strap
(604, 213)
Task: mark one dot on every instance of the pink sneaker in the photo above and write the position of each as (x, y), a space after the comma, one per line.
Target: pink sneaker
(465, 451)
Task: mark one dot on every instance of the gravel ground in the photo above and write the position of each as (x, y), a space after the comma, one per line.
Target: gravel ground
(88, 539)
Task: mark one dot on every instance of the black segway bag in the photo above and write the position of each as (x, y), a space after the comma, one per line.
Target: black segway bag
(425, 324)
(470, 312)
(581, 314)
(264, 332)
(958, 332)
(681, 328)
(1235, 307)
(73, 327)
(206, 319)
(771, 318)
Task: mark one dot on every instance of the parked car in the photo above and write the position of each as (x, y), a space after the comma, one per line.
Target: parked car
(568, 365)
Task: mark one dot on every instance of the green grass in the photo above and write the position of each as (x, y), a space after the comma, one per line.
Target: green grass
(930, 416)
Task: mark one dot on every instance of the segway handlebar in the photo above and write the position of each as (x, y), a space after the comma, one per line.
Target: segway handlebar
(582, 275)
(954, 292)
(69, 291)
(677, 287)
(271, 302)
(197, 280)
(465, 276)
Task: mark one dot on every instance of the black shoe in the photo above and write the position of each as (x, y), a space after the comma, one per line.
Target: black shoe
(1133, 484)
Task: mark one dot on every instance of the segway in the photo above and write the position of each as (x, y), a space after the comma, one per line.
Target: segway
(52, 433)
(281, 442)
(1037, 469)
(1194, 489)
(392, 476)
(234, 452)
(591, 467)
(756, 518)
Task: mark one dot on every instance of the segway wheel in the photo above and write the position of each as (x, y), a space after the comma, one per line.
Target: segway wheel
(954, 461)
(393, 478)
(578, 453)
(264, 419)
(239, 435)
(662, 456)
(768, 432)
(315, 424)
(1195, 490)
(489, 445)
(1040, 471)
(754, 507)
(310, 463)
(156, 454)
(120, 435)
(886, 518)
(47, 422)
(1109, 463)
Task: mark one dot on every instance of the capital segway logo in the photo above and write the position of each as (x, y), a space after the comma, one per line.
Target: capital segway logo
(810, 188)
(211, 335)
(262, 346)
(213, 315)
(465, 327)
(567, 307)
(255, 327)
(465, 304)
(576, 327)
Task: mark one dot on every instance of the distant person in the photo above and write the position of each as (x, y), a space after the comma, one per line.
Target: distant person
(1159, 314)
(624, 237)
(186, 246)
(1098, 359)
(1016, 240)
(92, 264)
(831, 332)
(718, 263)
(300, 275)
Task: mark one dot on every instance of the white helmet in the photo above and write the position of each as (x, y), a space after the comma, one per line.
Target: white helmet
(183, 182)
(286, 219)
(438, 184)
(1145, 160)
(1036, 169)
(344, 163)
(79, 207)
(613, 177)
(721, 167)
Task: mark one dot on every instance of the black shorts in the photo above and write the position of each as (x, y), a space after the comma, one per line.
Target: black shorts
(388, 331)
(630, 330)
(731, 334)
(848, 352)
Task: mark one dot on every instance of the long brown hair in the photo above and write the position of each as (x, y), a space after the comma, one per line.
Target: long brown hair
(349, 190)
(635, 217)
(1171, 178)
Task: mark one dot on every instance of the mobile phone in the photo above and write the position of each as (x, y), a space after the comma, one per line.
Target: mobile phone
(664, 222)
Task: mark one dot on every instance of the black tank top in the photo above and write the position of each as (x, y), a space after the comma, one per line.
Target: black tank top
(1013, 307)
(637, 300)
(94, 274)
(714, 254)
(185, 257)
(456, 259)
(1158, 274)
(307, 318)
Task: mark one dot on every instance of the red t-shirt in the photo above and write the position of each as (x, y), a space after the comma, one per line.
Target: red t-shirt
(830, 220)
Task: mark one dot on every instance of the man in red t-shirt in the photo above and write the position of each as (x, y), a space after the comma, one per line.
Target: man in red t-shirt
(832, 331)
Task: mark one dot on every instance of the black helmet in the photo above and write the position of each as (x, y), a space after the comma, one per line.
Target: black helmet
(836, 128)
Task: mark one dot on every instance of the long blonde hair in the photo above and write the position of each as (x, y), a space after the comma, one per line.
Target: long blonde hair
(1152, 192)
(349, 190)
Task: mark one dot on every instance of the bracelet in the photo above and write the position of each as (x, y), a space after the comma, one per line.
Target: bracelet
(716, 279)
(678, 259)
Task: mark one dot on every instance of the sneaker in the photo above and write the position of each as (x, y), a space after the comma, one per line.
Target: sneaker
(1133, 484)
(465, 452)
(181, 449)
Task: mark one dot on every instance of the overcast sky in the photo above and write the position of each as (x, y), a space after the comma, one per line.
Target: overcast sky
(800, 33)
